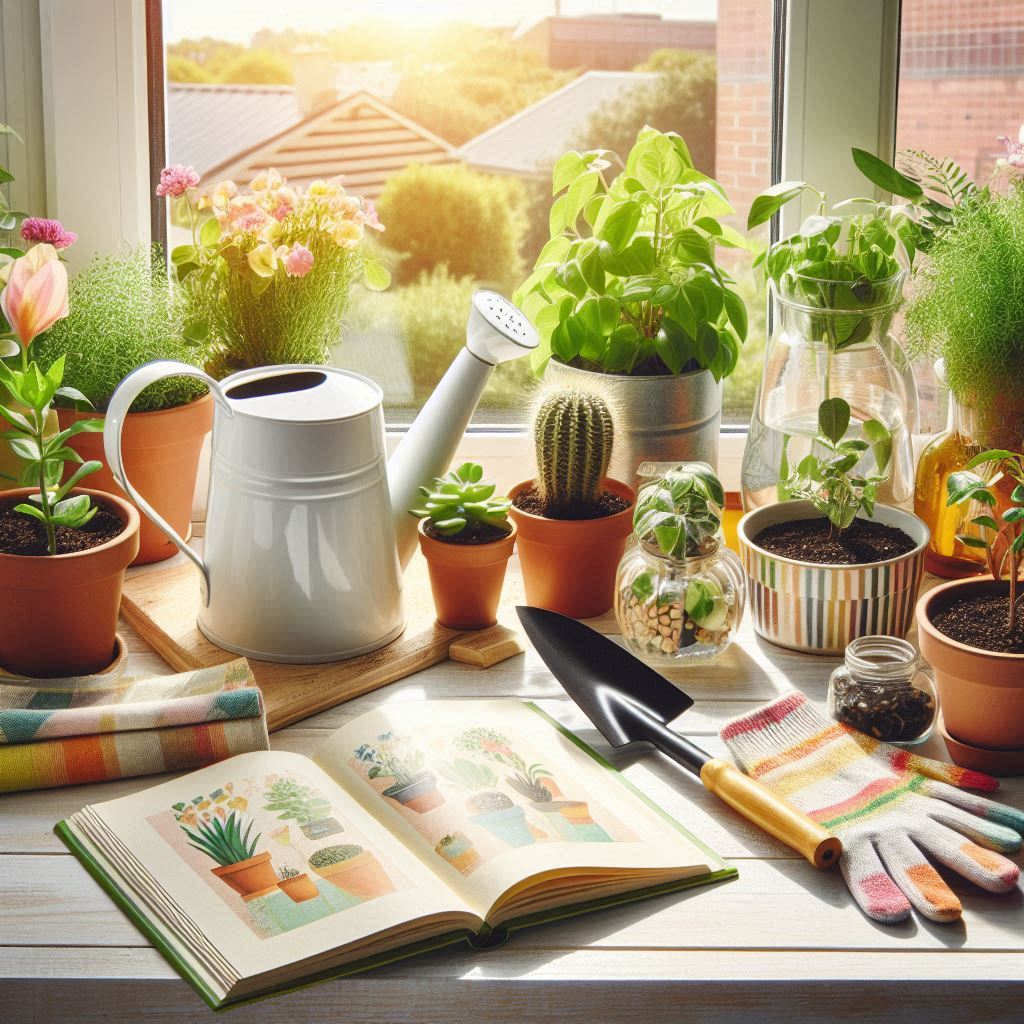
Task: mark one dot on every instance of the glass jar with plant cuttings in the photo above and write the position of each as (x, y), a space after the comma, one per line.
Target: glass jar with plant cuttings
(679, 589)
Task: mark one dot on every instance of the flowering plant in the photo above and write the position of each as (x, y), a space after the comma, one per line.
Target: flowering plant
(395, 755)
(495, 746)
(268, 270)
(36, 297)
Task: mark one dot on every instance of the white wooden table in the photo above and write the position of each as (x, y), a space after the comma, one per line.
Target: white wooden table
(782, 943)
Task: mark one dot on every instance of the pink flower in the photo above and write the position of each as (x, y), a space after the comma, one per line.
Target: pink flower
(41, 229)
(1014, 151)
(299, 261)
(177, 180)
(370, 218)
(36, 296)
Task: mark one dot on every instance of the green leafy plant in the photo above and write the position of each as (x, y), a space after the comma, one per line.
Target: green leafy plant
(461, 501)
(223, 840)
(1003, 538)
(573, 435)
(829, 483)
(966, 306)
(628, 282)
(296, 802)
(286, 872)
(394, 755)
(495, 746)
(335, 855)
(9, 217)
(680, 513)
(122, 314)
(468, 774)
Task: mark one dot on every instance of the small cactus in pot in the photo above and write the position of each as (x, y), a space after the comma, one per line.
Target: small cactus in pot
(573, 519)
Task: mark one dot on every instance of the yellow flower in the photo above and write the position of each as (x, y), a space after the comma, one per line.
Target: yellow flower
(317, 188)
(263, 260)
(348, 234)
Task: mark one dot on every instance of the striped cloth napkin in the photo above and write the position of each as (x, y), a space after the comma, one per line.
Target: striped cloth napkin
(67, 731)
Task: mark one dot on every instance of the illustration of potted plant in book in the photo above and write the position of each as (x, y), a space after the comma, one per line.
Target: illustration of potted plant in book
(218, 826)
(397, 757)
(489, 807)
(571, 819)
(303, 805)
(296, 885)
(457, 848)
(353, 870)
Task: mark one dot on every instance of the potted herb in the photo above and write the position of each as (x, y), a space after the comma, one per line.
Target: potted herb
(303, 805)
(830, 564)
(353, 870)
(627, 296)
(298, 887)
(573, 520)
(122, 315)
(679, 592)
(467, 540)
(218, 832)
(397, 757)
(457, 849)
(63, 549)
(972, 630)
(837, 284)
(488, 807)
(267, 273)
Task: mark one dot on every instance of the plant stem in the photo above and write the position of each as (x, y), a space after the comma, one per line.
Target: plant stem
(44, 497)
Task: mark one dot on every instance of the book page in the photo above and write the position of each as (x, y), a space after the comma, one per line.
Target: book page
(318, 872)
(489, 793)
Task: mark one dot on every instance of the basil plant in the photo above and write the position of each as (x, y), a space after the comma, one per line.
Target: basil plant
(628, 282)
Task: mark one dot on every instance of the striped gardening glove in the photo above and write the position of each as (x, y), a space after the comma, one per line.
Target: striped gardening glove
(891, 808)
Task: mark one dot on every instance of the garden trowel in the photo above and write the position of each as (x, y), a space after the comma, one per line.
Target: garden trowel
(628, 702)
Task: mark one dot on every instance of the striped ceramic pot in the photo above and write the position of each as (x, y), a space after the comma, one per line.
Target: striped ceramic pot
(819, 609)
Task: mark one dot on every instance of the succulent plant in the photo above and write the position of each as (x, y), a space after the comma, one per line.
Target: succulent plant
(302, 804)
(486, 803)
(335, 855)
(573, 433)
(286, 872)
(468, 774)
(447, 840)
(462, 501)
(680, 513)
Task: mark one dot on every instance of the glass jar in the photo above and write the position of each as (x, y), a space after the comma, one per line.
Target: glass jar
(829, 339)
(671, 611)
(882, 691)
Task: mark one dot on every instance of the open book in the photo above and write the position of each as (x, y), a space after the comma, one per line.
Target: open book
(413, 826)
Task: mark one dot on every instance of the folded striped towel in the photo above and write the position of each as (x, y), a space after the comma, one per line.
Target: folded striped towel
(68, 731)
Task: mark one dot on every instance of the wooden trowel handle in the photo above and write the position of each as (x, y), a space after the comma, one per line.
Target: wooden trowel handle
(760, 805)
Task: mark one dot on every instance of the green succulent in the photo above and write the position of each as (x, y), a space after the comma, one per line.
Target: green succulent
(468, 774)
(681, 510)
(296, 802)
(335, 855)
(223, 841)
(462, 501)
(286, 872)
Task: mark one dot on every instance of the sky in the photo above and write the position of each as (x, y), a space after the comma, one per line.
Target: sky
(236, 20)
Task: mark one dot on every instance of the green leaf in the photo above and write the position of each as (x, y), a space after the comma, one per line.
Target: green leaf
(620, 224)
(376, 276)
(567, 167)
(771, 200)
(987, 521)
(643, 588)
(971, 542)
(183, 254)
(74, 394)
(1013, 515)
(881, 443)
(582, 188)
(82, 471)
(736, 310)
(5, 176)
(886, 177)
(992, 455)
(833, 418)
(556, 216)
(31, 510)
(673, 345)
(209, 233)
(26, 448)
(197, 331)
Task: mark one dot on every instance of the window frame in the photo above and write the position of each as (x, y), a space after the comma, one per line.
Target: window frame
(832, 45)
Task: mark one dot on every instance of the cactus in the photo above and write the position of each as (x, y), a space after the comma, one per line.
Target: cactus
(335, 855)
(573, 434)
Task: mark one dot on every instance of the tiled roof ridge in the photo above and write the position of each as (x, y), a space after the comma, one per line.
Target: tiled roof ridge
(229, 87)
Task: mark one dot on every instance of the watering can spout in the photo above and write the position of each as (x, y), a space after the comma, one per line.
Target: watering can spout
(497, 332)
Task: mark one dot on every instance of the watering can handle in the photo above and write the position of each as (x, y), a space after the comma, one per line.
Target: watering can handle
(120, 402)
(905, 369)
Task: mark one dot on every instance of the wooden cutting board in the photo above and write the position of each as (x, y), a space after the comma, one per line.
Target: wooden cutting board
(161, 603)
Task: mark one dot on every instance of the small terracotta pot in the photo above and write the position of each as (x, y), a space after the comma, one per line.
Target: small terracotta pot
(466, 579)
(981, 693)
(362, 876)
(248, 876)
(161, 457)
(59, 612)
(569, 564)
(299, 888)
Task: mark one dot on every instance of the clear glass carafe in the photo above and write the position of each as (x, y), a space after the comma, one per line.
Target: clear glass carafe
(830, 340)
(673, 611)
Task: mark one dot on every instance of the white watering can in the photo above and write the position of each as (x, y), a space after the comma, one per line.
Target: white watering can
(307, 529)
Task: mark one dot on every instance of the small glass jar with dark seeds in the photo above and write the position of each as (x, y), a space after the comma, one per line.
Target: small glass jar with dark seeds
(882, 691)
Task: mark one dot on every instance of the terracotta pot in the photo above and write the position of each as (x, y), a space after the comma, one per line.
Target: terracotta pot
(362, 876)
(299, 888)
(59, 612)
(569, 564)
(419, 795)
(249, 876)
(161, 457)
(466, 579)
(819, 609)
(981, 693)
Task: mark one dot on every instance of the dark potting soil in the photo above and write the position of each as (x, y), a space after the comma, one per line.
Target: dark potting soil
(608, 504)
(817, 542)
(20, 534)
(980, 620)
(482, 534)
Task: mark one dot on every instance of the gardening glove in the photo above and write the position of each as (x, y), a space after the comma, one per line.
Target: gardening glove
(889, 807)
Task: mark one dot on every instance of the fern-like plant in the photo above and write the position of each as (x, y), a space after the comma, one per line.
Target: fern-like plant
(121, 314)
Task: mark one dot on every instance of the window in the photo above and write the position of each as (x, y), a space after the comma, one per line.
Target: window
(961, 87)
(469, 105)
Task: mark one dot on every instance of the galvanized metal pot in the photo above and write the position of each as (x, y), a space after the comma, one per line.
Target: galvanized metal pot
(658, 419)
